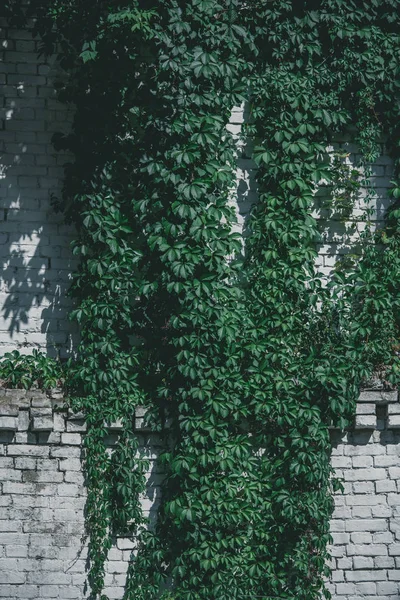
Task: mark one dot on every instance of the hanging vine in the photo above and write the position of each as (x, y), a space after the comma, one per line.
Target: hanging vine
(251, 360)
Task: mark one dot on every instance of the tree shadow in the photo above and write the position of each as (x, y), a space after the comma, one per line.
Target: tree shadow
(342, 213)
(34, 241)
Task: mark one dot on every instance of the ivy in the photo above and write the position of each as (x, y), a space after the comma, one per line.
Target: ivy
(248, 359)
(33, 370)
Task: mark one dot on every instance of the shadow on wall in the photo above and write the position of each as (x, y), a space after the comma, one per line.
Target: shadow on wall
(34, 242)
(342, 212)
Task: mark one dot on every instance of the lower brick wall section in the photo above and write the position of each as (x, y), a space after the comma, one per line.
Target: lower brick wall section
(42, 546)
(366, 522)
(42, 498)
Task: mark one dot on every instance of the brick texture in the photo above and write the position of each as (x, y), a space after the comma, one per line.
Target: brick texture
(34, 242)
(43, 549)
(42, 498)
(42, 492)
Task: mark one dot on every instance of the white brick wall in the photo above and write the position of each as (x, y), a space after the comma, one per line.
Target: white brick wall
(42, 493)
(366, 523)
(42, 496)
(34, 243)
(42, 499)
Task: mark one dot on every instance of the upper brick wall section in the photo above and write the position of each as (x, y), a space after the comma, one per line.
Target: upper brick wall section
(35, 243)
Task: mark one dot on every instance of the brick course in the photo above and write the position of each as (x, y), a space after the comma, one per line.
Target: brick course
(42, 499)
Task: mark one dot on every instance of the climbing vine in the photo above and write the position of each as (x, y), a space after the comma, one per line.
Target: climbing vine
(249, 359)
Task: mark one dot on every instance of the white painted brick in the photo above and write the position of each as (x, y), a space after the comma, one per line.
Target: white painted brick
(365, 422)
(340, 538)
(363, 562)
(365, 525)
(385, 460)
(376, 575)
(8, 423)
(362, 462)
(342, 512)
(387, 587)
(382, 511)
(343, 589)
(367, 550)
(394, 472)
(394, 575)
(384, 562)
(382, 537)
(393, 422)
(365, 409)
(73, 439)
(372, 449)
(344, 563)
(70, 464)
(363, 487)
(362, 500)
(362, 589)
(361, 512)
(365, 474)
(25, 450)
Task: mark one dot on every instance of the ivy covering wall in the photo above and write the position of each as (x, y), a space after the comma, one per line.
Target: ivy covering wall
(243, 353)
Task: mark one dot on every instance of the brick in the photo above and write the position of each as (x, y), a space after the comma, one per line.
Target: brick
(361, 512)
(363, 500)
(362, 462)
(42, 477)
(382, 511)
(367, 550)
(70, 464)
(363, 562)
(394, 472)
(386, 461)
(68, 489)
(393, 422)
(42, 578)
(387, 587)
(76, 426)
(363, 487)
(16, 551)
(18, 488)
(69, 452)
(378, 397)
(345, 588)
(11, 577)
(8, 423)
(23, 420)
(365, 525)
(378, 575)
(384, 562)
(365, 422)
(394, 575)
(28, 450)
(10, 475)
(73, 439)
(365, 474)
(42, 423)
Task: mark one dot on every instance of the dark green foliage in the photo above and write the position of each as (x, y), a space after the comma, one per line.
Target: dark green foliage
(32, 370)
(250, 360)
